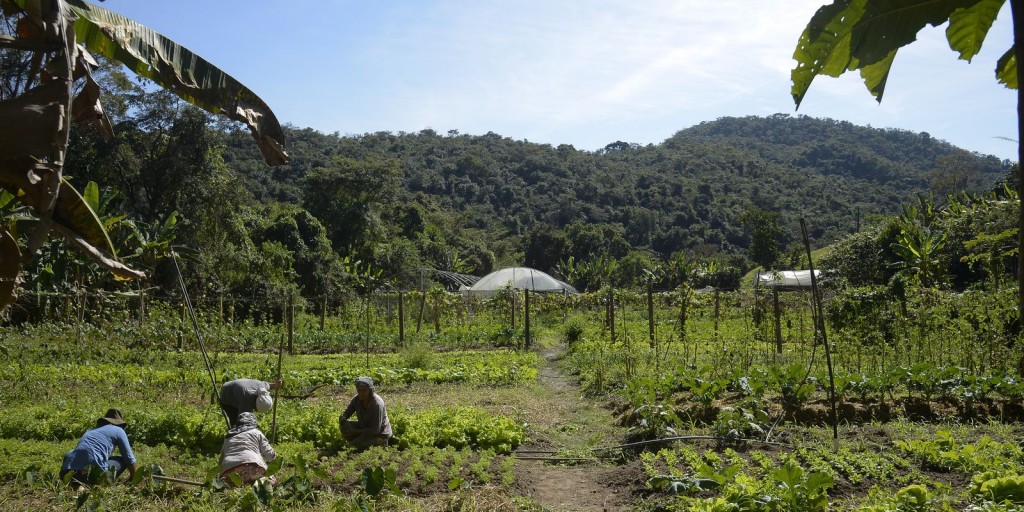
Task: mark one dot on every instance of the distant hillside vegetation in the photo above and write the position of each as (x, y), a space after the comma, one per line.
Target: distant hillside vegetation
(691, 192)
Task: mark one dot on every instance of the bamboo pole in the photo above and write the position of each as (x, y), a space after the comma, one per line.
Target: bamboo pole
(199, 335)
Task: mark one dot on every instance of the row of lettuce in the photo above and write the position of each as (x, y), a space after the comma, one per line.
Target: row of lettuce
(203, 429)
(802, 479)
(494, 368)
(793, 383)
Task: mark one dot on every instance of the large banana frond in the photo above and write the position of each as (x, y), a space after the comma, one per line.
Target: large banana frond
(176, 68)
(865, 35)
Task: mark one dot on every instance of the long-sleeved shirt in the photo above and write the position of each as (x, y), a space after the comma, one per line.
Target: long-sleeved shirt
(241, 393)
(96, 446)
(373, 417)
(249, 446)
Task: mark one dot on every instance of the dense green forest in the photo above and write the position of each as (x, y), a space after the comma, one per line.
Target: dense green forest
(690, 193)
(373, 210)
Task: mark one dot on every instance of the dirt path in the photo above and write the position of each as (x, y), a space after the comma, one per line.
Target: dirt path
(567, 422)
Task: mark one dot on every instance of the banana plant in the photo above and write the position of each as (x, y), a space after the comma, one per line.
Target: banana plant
(865, 35)
(61, 37)
(918, 248)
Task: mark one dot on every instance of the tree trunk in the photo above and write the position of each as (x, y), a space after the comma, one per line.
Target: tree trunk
(1017, 10)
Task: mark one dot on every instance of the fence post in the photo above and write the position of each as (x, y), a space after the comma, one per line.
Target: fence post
(611, 311)
(142, 304)
(650, 314)
(291, 323)
(423, 304)
(323, 313)
(778, 320)
(181, 326)
(526, 316)
(401, 319)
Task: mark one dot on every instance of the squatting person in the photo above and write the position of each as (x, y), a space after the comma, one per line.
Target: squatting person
(372, 426)
(94, 453)
(246, 450)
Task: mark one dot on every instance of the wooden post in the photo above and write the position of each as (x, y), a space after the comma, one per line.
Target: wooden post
(436, 308)
(650, 314)
(611, 311)
(323, 313)
(565, 306)
(277, 391)
(526, 317)
(423, 304)
(291, 323)
(718, 302)
(181, 326)
(80, 316)
(401, 319)
(142, 304)
(369, 297)
(778, 320)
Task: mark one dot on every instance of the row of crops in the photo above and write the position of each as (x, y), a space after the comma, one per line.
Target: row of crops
(56, 387)
(715, 365)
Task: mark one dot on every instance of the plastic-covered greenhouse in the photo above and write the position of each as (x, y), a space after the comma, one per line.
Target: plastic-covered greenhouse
(519, 278)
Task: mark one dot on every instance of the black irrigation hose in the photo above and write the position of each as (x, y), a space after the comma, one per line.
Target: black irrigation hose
(199, 336)
(692, 438)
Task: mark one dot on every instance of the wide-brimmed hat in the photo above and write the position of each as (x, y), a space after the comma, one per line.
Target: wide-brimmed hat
(113, 417)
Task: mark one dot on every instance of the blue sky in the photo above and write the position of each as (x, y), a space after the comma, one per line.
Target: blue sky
(585, 73)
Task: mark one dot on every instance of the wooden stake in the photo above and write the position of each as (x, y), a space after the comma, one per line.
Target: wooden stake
(819, 328)
(277, 392)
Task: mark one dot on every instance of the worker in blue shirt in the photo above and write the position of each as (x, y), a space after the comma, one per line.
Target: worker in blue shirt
(95, 451)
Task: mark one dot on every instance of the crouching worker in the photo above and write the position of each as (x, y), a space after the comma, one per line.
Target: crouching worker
(246, 395)
(94, 454)
(372, 426)
(246, 451)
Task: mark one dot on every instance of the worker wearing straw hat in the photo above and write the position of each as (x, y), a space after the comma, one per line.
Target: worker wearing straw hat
(93, 455)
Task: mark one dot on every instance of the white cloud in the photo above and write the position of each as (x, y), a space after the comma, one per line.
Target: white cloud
(583, 73)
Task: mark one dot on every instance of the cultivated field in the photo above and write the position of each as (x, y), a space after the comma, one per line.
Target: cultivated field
(726, 406)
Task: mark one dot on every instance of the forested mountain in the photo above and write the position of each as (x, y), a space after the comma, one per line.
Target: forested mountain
(689, 193)
(354, 212)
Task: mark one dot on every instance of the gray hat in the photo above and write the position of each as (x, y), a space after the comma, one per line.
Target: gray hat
(365, 381)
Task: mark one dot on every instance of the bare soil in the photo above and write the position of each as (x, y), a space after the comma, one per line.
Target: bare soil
(570, 425)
